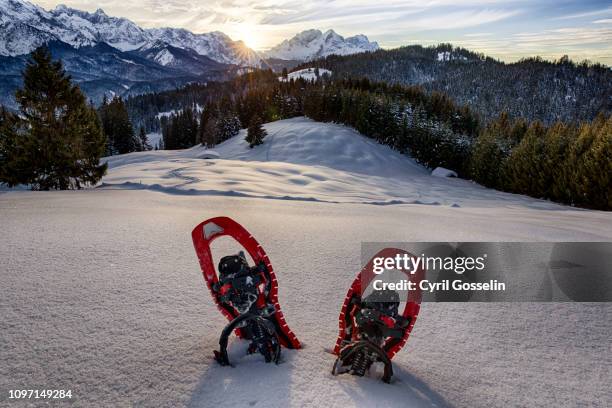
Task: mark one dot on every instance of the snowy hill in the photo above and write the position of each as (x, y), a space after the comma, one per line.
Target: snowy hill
(303, 160)
(311, 44)
(308, 74)
(103, 294)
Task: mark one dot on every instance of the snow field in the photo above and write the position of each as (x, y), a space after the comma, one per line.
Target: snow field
(307, 74)
(304, 160)
(102, 294)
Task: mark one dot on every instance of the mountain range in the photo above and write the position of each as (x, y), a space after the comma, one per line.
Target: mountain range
(24, 26)
(114, 56)
(311, 44)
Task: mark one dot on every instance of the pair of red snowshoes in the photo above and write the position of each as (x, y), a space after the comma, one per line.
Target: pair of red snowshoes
(372, 329)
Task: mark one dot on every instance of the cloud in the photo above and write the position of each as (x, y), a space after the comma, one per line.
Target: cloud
(459, 19)
(564, 37)
(591, 13)
(499, 27)
(318, 11)
(478, 35)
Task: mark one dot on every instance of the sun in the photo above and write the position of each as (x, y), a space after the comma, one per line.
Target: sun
(250, 36)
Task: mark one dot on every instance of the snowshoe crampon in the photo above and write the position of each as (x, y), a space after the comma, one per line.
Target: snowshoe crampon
(372, 327)
(246, 295)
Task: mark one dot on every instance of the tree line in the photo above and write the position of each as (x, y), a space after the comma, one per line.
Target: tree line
(117, 126)
(567, 162)
(57, 139)
(564, 162)
(532, 88)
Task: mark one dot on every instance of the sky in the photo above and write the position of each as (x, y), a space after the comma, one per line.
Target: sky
(508, 29)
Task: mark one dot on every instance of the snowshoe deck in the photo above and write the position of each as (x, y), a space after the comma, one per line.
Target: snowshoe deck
(353, 299)
(203, 235)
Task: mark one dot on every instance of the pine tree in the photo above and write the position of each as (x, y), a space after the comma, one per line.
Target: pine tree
(488, 155)
(591, 158)
(188, 128)
(205, 117)
(210, 133)
(524, 168)
(255, 132)
(144, 140)
(9, 155)
(228, 126)
(557, 143)
(118, 128)
(60, 141)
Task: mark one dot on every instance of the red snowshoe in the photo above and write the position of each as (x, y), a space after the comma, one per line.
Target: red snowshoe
(247, 296)
(372, 329)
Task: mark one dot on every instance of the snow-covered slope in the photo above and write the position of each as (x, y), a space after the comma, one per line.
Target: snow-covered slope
(24, 26)
(102, 292)
(304, 160)
(308, 74)
(312, 44)
(445, 56)
(215, 45)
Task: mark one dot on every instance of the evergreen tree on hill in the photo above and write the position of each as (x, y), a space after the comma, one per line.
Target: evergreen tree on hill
(255, 132)
(118, 128)
(180, 131)
(57, 141)
(9, 160)
(144, 140)
(205, 117)
(590, 159)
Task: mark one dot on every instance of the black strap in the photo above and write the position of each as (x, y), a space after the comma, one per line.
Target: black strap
(347, 352)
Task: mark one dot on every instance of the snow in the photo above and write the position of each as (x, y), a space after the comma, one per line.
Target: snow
(126, 61)
(444, 56)
(209, 154)
(196, 108)
(304, 160)
(307, 74)
(167, 114)
(102, 292)
(449, 56)
(442, 172)
(164, 57)
(26, 26)
(154, 138)
(311, 44)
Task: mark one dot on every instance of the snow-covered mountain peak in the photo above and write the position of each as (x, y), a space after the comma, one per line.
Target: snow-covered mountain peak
(310, 44)
(25, 26)
(331, 34)
(16, 11)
